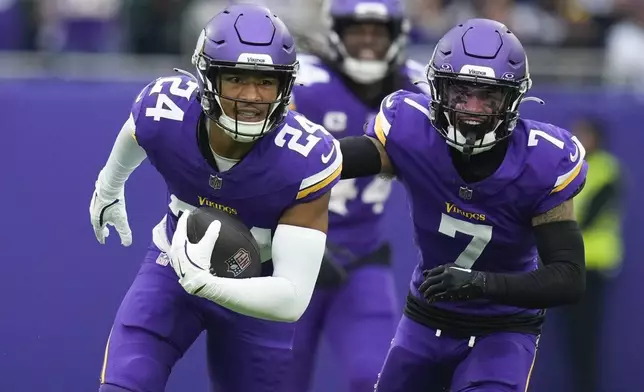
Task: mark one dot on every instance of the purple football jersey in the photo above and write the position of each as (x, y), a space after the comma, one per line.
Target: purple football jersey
(485, 225)
(357, 204)
(297, 162)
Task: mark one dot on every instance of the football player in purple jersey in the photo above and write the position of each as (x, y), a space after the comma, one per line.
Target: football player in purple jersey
(490, 194)
(224, 138)
(340, 85)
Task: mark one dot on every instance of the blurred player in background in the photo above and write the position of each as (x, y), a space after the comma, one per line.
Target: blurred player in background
(227, 140)
(489, 192)
(341, 88)
(598, 210)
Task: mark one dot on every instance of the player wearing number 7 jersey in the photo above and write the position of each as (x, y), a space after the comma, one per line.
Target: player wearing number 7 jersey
(227, 140)
(489, 193)
(353, 308)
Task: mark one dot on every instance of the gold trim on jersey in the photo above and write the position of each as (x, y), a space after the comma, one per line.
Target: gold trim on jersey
(323, 178)
(314, 188)
(534, 359)
(572, 175)
(565, 179)
(131, 124)
(381, 128)
(107, 350)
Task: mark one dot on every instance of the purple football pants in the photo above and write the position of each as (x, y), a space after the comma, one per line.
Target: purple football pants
(357, 320)
(158, 321)
(420, 361)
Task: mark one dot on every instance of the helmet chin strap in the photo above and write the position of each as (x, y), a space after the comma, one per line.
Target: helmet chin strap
(248, 131)
(244, 131)
(468, 148)
(364, 71)
(467, 144)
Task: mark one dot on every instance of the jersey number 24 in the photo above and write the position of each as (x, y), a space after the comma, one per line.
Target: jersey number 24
(165, 108)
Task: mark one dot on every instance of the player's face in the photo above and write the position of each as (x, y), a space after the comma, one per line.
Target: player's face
(367, 41)
(250, 95)
(476, 100)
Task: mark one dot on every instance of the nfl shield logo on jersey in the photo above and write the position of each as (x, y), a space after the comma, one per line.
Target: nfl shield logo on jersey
(335, 121)
(239, 262)
(465, 193)
(215, 182)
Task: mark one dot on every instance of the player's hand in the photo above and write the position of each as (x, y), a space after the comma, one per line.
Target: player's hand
(191, 262)
(450, 282)
(109, 210)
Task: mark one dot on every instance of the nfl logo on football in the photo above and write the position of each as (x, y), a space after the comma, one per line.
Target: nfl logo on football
(238, 262)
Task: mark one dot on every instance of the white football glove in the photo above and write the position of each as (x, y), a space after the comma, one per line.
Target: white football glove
(108, 210)
(191, 262)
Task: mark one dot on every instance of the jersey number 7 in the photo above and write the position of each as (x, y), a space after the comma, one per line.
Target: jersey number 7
(481, 236)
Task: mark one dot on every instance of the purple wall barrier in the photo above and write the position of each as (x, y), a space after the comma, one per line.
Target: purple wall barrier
(61, 288)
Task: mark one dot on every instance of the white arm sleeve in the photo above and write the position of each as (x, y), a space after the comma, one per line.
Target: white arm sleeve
(125, 157)
(297, 256)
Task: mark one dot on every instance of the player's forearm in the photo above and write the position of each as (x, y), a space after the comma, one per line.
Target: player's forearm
(360, 157)
(297, 255)
(553, 285)
(270, 298)
(561, 281)
(125, 157)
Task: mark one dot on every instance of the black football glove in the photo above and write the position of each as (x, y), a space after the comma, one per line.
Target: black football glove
(450, 282)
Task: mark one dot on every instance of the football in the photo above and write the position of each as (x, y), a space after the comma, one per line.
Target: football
(236, 253)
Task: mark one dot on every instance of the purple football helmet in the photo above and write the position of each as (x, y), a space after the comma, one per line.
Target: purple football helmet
(343, 13)
(478, 76)
(245, 37)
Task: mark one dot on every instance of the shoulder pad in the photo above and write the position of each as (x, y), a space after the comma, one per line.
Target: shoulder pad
(312, 155)
(390, 108)
(557, 161)
(162, 103)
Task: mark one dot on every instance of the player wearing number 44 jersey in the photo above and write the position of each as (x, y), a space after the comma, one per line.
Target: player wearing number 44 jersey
(227, 140)
(490, 193)
(353, 308)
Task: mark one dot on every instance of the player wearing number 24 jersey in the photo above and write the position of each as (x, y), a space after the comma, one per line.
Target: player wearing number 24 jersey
(225, 139)
(489, 194)
(354, 305)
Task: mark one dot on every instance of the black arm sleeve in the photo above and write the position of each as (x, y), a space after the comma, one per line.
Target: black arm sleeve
(360, 157)
(562, 279)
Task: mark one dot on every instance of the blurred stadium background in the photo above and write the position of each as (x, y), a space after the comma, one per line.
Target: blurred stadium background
(575, 41)
(69, 70)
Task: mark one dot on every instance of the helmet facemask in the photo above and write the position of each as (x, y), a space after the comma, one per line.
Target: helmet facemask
(473, 113)
(228, 111)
